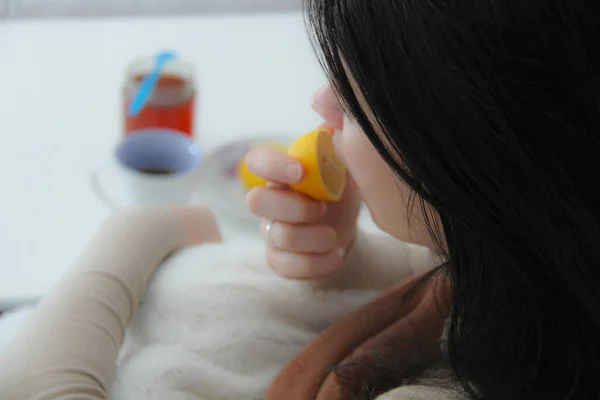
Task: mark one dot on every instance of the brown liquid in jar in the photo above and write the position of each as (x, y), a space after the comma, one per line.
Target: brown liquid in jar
(176, 112)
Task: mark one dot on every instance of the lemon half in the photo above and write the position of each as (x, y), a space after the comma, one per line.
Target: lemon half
(324, 173)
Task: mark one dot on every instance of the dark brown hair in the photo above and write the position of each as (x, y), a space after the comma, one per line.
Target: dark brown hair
(490, 112)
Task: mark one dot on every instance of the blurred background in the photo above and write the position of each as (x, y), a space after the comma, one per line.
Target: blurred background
(80, 8)
(242, 75)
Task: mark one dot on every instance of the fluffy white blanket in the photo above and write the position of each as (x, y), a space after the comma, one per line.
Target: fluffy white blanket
(215, 323)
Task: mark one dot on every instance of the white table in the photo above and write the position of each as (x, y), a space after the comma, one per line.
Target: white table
(60, 117)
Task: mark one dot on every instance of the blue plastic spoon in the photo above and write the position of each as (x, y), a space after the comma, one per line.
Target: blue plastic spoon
(149, 82)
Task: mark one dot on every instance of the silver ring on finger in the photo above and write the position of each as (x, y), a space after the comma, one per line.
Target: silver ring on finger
(268, 237)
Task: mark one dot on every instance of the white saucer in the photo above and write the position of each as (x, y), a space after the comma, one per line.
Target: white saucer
(109, 185)
(219, 186)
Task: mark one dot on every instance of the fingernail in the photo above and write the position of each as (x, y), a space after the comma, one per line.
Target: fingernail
(293, 172)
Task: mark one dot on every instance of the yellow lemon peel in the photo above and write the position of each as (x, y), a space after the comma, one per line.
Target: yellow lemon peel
(324, 174)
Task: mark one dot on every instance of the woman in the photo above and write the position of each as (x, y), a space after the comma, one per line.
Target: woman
(490, 113)
(471, 127)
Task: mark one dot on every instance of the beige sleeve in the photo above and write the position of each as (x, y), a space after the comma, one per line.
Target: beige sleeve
(377, 261)
(68, 347)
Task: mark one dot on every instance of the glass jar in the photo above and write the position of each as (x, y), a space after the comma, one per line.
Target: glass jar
(172, 103)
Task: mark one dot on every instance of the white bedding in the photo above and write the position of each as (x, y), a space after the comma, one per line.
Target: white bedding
(216, 324)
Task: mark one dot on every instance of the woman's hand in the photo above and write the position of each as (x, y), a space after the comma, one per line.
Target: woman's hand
(306, 239)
